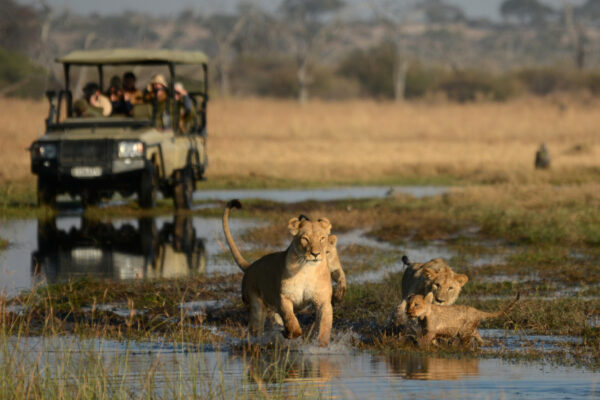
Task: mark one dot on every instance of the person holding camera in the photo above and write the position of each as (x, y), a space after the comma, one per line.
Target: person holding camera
(94, 104)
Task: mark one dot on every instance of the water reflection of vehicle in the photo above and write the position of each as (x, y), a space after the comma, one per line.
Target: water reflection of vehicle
(119, 251)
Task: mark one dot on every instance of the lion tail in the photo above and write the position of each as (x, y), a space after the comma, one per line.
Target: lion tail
(237, 256)
(504, 310)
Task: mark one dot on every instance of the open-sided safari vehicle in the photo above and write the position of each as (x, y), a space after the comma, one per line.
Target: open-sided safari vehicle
(139, 153)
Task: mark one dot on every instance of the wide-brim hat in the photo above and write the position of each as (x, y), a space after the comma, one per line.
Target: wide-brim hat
(159, 78)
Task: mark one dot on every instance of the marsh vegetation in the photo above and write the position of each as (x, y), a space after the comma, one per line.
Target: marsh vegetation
(508, 227)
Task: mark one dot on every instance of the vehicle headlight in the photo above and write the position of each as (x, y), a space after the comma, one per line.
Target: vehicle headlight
(131, 149)
(44, 150)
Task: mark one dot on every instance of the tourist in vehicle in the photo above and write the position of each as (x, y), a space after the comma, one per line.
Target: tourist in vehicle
(156, 93)
(115, 95)
(158, 87)
(94, 104)
(185, 106)
(130, 92)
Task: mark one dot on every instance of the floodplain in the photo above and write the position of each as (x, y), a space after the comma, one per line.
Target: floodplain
(117, 302)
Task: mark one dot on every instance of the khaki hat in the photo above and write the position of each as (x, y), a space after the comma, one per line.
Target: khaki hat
(159, 78)
(180, 89)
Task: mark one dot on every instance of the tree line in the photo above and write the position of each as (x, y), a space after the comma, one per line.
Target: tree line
(318, 48)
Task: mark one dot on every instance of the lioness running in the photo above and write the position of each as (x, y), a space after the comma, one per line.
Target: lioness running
(335, 266)
(450, 321)
(288, 279)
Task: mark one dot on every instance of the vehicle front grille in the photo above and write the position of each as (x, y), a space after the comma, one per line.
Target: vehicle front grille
(86, 152)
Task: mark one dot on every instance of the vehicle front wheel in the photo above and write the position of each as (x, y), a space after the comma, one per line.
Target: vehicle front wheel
(46, 192)
(148, 188)
(184, 189)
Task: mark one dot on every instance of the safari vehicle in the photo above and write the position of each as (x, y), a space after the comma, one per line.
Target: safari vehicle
(140, 154)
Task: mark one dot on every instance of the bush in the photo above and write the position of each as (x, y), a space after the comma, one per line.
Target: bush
(19, 76)
(264, 76)
(542, 81)
(421, 80)
(372, 69)
(469, 85)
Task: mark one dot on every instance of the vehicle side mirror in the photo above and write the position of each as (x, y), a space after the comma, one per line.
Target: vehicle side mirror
(53, 112)
(50, 95)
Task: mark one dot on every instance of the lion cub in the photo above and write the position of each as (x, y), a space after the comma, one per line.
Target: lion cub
(434, 277)
(290, 279)
(450, 321)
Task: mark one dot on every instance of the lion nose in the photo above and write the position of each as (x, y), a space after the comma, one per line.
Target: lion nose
(314, 254)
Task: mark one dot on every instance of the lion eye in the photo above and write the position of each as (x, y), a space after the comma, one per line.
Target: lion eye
(304, 241)
(451, 288)
(435, 285)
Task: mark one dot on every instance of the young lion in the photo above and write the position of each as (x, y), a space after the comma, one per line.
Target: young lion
(434, 277)
(452, 321)
(335, 266)
(288, 279)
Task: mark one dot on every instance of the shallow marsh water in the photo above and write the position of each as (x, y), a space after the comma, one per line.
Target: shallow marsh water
(168, 247)
(339, 372)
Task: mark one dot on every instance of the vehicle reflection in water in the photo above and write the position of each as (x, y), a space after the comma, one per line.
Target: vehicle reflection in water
(133, 249)
(420, 367)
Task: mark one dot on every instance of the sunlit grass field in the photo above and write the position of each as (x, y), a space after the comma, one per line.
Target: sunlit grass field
(363, 141)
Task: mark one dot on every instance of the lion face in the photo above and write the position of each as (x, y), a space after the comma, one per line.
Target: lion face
(310, 241)
(442, 282)
(419, 306)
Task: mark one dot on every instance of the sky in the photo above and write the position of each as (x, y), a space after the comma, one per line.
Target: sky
(473, 8)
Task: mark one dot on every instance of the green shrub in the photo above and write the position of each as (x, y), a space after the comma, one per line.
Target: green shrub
(19, 76)
(470, 85)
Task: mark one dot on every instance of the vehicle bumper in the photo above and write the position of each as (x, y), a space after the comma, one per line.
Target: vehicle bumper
(118, 175)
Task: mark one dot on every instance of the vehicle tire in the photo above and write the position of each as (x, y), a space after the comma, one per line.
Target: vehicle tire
(148, 237)
(90, 198)
(184, 189)
(46, 192)
(148, 188)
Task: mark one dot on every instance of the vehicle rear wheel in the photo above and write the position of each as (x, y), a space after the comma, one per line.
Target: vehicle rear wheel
(148, 188)
(184, 189)
(90, 198)
(46, 192)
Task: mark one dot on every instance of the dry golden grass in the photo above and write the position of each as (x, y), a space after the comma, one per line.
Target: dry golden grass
(363, 140)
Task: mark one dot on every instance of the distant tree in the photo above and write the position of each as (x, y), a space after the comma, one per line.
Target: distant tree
(576, 35)
(394, 16)
(228, 31)
(307, 26)
(526, 11)
(19, 27)
(590, 9)
(437, 11)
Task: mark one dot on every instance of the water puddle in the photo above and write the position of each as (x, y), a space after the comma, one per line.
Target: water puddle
(159, 368)
(70, 246)
(322, 194)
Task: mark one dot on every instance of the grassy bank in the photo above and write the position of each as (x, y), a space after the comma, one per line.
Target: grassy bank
(263, 142)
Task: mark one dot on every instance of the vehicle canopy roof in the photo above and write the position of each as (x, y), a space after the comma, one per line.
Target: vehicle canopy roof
(133, 56)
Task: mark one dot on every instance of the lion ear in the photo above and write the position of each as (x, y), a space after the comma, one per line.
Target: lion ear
(461, 279)
(429, 297)
(294, 226)
(325, 224)
(429, 273)
(332, 240)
